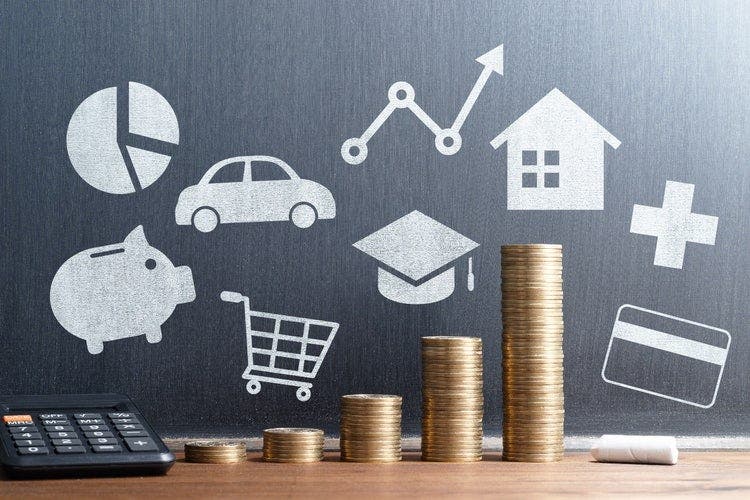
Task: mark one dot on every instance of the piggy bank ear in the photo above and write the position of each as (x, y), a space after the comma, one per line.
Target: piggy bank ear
(136, 237)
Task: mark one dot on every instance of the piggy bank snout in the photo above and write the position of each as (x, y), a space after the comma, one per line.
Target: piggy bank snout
(185, 287)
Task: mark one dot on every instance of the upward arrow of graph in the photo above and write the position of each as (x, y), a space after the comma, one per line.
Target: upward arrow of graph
(493, 63)
(401, 95)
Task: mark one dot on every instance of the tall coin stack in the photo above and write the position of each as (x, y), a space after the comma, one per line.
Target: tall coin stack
(532, 306)
(452, 399)
(292, 445)
(370, 428)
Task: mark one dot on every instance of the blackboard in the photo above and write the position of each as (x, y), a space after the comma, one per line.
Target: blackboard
(293, 80)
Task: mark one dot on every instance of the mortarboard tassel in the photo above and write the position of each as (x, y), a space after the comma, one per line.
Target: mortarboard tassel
(470, 277)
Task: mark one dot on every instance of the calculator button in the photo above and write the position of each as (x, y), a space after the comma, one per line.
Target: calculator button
(129, 427)
(141, 444)
(58, 428)
(125, 421)
(106, 448)
(70, 449)
(33, 450)
(17, 419)
(90, 421)
(87, 428)
(79, 416)
(140, 433)
(120, 415)
(66, 442)
(56, 422)
(26, 435)
(29, 442)
(102, 441)
(98, 434)
(62, 435)
(18, 423)
(23, 428)
(44, 416)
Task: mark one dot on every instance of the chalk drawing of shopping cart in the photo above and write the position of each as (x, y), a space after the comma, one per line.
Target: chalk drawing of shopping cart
(286, 346)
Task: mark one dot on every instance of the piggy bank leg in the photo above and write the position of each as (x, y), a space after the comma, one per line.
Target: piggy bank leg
(154, 336)
(95, 346)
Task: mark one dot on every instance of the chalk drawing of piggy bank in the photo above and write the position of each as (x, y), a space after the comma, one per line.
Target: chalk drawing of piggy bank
(119, 291)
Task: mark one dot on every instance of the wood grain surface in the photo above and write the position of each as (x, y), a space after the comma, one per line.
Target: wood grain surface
(703, 474)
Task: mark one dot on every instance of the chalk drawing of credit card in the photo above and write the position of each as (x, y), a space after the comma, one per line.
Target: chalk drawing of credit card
(666, 356)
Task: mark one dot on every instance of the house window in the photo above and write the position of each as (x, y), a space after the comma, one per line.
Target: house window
(551, 180)
(552, 157)
(528, 157)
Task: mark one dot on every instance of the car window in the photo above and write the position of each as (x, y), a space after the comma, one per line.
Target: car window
(233, 172)
(268, 171)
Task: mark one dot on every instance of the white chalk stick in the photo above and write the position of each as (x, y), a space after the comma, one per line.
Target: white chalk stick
(635, 449)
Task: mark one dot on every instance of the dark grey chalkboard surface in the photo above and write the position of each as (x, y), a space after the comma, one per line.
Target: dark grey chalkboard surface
(294, 80)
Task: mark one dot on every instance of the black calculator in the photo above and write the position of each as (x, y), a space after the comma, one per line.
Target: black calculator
(78, 435)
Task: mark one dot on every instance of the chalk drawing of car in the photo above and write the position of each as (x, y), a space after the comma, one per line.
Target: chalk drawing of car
(253, 189)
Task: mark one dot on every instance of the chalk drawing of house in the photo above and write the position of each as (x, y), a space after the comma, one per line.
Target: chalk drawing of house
(555, 157)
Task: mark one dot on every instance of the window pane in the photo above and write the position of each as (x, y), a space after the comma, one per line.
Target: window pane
(552, 157)
(528, 180)
(267, 171)
(528, 157)
(551, 180)
(234, 172)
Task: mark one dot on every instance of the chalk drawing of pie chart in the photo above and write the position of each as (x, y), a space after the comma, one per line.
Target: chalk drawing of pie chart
(120, 139)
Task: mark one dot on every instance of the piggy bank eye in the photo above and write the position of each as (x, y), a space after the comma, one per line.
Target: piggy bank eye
(150, 264)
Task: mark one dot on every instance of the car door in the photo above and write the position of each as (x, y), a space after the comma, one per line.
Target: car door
(274, 189)
(228, 191)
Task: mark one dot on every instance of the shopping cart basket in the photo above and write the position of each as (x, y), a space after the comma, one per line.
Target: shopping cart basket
(283, 346)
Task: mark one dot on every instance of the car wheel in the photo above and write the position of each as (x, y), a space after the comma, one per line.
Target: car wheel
(205, 220)
(303, 215)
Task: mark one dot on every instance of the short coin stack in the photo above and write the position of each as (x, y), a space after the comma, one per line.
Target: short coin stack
(292, 445)
(532, 306)
(370, 428)
(452, 399)
(216, 452)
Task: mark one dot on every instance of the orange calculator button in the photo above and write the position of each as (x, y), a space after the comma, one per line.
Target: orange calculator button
(17, 418)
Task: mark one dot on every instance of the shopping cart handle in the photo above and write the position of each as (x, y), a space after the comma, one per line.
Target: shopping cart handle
(231, 297)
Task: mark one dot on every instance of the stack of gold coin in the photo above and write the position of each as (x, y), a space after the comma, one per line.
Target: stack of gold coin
(452, 399)
(370, 428)
(533, 399)
(216, 452)
(292, 445)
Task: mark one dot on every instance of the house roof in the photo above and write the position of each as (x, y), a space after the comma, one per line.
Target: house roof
(554, 105)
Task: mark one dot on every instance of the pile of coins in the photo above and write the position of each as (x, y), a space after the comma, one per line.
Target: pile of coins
(292, 445)
(532, 307)
(452, 399)
(216, 452)
(370, 428)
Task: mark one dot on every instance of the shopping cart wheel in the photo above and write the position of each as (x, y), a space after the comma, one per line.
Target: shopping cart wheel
(303, 394)
(253, 387)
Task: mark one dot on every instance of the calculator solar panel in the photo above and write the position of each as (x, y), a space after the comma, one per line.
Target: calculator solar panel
(78, 434)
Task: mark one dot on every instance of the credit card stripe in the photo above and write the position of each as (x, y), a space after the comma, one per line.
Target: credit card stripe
(670, 343)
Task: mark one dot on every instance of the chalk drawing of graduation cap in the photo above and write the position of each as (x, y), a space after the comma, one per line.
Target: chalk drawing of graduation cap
(416, 257)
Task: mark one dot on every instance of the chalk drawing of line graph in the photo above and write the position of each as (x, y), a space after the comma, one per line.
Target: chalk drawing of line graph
(401, 96)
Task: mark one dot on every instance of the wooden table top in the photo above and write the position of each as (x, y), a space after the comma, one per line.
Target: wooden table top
(701, 474)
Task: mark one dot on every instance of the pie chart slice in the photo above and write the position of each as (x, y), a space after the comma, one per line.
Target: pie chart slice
(92, 144)
(150, 115)
(148, 165)
(106, 160)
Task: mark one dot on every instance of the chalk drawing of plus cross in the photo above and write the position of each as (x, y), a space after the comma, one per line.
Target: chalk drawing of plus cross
(674, 224)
